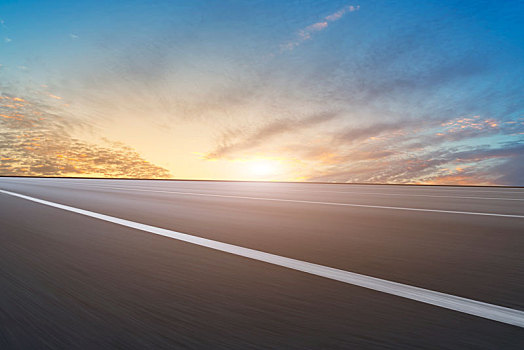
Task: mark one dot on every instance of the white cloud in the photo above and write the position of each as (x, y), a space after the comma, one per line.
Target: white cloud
(337, 15)
(306, 33)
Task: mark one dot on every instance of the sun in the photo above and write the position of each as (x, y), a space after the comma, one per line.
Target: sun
(263, 167)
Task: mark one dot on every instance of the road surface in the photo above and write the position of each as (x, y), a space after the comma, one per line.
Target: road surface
(104, 264)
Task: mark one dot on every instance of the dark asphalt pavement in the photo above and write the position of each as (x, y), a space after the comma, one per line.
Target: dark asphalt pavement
(68, 281)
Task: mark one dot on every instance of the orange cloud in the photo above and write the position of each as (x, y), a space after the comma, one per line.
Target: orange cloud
(43, 146)
(458, 180)
(473, 123)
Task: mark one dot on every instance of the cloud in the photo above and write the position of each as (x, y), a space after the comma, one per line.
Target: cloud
(73, 36)
(234, 142)
(467, 128)
(7, 40)
(354, 134)
(307, 32)
(485, 164)
(410, 151)
(338, 15)
(403, 93)
(511, 171)
(55, 97)
(36, 140)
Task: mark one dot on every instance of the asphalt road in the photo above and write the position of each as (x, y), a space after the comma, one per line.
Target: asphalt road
(70, 281)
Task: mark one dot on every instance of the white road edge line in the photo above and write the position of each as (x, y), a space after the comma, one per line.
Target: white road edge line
(447, 301)
(315, 202)
(417, 195)
(414, 187)
(345, 192)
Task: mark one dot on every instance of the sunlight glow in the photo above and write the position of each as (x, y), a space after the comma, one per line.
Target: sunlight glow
(263, 167)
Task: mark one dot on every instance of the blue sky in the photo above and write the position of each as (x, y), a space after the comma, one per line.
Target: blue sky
(369, 91)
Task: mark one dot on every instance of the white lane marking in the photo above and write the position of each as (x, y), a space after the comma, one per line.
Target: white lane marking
(413, 195)
(351, 192)
(316, 202)
(430, 188)
(447, 301)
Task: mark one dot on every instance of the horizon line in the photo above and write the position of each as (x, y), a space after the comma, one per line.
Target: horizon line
(260, 181)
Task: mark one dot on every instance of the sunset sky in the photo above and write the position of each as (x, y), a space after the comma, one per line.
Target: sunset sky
(369, 91)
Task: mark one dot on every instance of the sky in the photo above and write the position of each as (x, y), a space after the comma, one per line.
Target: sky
(426, 92)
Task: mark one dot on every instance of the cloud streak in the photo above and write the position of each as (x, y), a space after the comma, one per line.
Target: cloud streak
(241, 141)
(307, 32)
